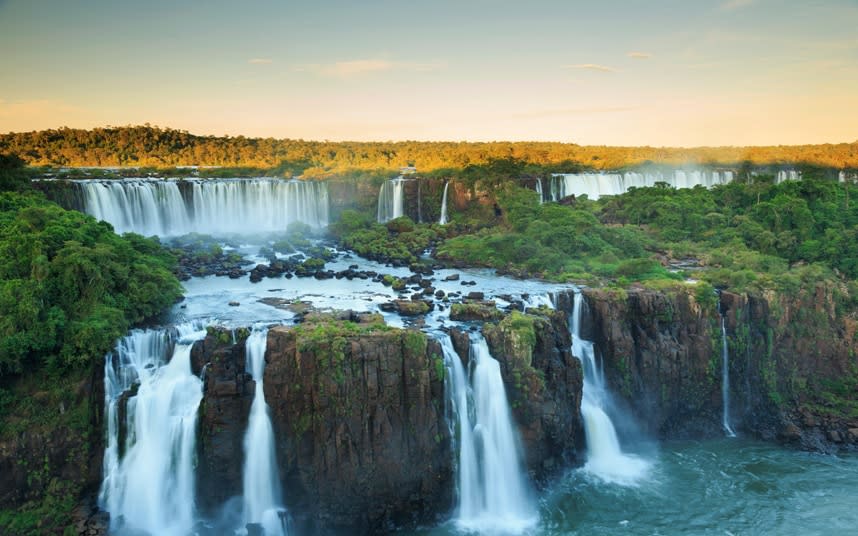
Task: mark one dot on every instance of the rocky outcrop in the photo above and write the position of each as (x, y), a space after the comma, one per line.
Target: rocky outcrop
(544, 386)
(359, 418)
(793, 368)
(227, 397)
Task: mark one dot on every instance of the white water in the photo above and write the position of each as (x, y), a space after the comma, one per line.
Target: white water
(725, 381)
(787, 175)
(595, 185)
(493, 494)
(151, 487)
(391, 200)
(443, 220)
(605, 458)
(263, 497)
(214, 206)
(539, 190)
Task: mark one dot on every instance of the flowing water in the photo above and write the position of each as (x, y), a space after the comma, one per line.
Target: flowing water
(595, 185)
(605, 458)
(493, 494)
(263, 496)
(391, 200)
(150, 487)
(725, 381)
(539, 190)
(226, 206)
(443, 219)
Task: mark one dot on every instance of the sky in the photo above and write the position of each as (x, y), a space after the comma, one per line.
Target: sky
(611, 72)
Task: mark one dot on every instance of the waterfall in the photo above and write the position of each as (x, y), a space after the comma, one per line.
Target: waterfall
(725, 379)
(787, 175)
(595, 185)
(539, 190)
(605, 458)
(492, 491)
(263, 501)
(391, 200)
(443, 219)
(177, 207)
(149, 477)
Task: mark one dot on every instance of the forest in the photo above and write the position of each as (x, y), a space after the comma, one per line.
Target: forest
(151, 146)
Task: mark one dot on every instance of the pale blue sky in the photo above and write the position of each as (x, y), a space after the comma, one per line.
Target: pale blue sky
(663, 72)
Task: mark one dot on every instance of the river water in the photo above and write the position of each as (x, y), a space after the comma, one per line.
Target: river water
(722, 487)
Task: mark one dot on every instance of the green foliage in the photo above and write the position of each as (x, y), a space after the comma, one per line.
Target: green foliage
(399, 240)
(13, 175)
(69, 286)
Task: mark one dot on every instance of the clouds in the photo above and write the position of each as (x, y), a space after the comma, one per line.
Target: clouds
(260, 61)
(731, 5)
(359, 67)
(592, 67)
(639, 55)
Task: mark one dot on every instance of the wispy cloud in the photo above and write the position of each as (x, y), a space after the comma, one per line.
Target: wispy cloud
(731, 5)
(260, 61)
(345, 69)
(575, 111)
(639, 55)
(592, 67)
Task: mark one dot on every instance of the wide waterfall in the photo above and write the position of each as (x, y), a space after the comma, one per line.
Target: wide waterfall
(214, 206)
(443, 219)
(787, 175)
(493, 493)
(148, 481)
(605, 458)
(263, 497)
(725, 380)
(595, 185)
(391, 200)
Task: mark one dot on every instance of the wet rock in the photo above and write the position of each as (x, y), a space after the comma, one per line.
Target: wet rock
(452, 277)
(234, 304)
(476, 296)
(481, 311)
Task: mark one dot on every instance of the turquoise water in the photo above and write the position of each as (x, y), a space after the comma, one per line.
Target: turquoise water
(722, 487)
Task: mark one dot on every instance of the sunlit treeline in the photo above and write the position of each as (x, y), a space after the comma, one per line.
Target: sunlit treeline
(160, 147)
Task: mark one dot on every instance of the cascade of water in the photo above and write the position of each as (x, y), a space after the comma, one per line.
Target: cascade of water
(493, 493)
(595, 185)
(157, 207)
(539, 190)
(787, 175)
(263, 501)
(725, 379)
(391, 200)
(443, 219)
(150, 487)
(605, 458)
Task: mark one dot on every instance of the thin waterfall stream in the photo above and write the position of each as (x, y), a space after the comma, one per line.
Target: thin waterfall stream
(443, 219)
(263, 496)
(725, 379)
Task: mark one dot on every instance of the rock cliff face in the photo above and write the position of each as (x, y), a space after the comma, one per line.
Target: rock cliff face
(793, 369)
(359, 418)
(544, 386)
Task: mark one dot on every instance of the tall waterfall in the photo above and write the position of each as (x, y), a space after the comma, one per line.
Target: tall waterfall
(539, 190)
(263, 497)
(595, 185)
(149, 477)
(725, 380)
(391, 200)
(214, 206)
(605, 458)
(492, 490)
(443, 220)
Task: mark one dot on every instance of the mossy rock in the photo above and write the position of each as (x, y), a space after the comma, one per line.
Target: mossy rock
(481, 311)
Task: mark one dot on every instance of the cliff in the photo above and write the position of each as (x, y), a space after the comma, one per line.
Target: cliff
(792, 367)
